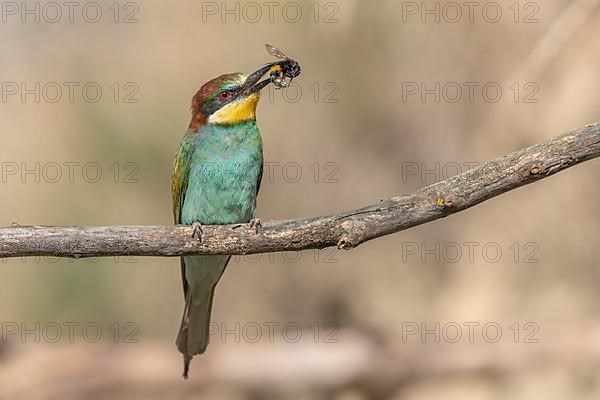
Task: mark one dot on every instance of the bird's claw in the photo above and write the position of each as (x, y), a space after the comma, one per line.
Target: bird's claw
(197, 230)
(255, 223)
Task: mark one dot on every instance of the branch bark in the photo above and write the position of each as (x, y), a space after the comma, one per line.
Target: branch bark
(345, 230)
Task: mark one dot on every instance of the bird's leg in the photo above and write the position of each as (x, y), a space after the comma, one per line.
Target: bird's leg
(197, 230)
(255, 223)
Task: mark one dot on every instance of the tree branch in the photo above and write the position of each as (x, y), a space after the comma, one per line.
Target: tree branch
(345, 230)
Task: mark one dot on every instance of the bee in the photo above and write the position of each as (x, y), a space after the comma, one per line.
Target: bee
(281, 71)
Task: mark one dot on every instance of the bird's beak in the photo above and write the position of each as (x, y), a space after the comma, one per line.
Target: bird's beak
(253, 83)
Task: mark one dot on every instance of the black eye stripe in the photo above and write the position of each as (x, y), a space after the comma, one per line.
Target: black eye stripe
(226, 95)
(216, 101)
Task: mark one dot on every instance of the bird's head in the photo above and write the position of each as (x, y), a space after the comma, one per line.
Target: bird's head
(228, 99)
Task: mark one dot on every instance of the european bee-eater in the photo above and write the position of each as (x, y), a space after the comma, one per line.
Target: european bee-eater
(215, 180)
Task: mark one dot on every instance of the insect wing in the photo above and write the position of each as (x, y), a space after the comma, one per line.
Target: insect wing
(275, 52)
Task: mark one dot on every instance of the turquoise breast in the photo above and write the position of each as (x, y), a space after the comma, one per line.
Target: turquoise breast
(226, 163)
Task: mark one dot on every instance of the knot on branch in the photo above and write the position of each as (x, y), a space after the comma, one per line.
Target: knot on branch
(533, 169)
(354, 233)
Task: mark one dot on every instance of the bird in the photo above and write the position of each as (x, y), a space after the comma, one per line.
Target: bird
(216, 176)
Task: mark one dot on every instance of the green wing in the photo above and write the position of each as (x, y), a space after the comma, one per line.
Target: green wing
(179, 181)
(180, 174)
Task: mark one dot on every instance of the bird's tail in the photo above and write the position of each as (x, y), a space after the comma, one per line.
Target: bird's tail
(194, 331)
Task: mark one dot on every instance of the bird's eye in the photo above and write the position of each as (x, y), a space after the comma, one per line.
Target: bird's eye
(225, 95)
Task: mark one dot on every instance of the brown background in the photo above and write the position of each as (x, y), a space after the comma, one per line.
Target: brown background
(362, 146)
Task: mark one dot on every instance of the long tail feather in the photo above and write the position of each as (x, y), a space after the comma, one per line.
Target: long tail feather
(194, 332)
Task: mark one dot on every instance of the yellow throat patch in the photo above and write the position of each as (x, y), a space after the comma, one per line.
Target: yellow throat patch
(240, 110)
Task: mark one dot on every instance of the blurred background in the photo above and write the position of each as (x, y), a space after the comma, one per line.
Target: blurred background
(496, 302)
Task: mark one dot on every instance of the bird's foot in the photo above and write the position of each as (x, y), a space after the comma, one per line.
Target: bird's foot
(255, 223)
(197, 230)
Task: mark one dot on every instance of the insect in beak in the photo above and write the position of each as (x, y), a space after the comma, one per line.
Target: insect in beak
(282, 72)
